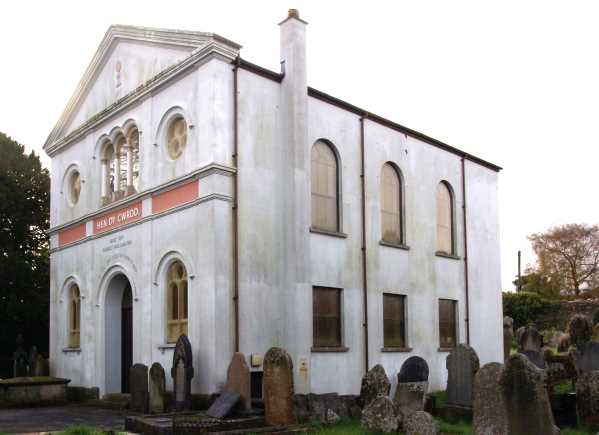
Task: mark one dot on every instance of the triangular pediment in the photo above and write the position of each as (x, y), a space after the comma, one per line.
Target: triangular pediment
(128, 57)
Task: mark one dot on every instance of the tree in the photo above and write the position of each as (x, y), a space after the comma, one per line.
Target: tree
(568, 256)
(24, 271)
(534, 282)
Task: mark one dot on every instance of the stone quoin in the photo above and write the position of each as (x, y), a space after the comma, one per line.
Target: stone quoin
(194, 193)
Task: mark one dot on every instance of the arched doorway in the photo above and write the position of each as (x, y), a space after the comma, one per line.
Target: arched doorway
(118, 343)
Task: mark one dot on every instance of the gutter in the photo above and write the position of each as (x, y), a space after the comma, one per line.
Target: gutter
(364, 262)
(466, 283)
(235, 208)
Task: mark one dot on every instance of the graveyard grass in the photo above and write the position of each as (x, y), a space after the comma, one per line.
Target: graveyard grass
(353, 427)
(85, 430)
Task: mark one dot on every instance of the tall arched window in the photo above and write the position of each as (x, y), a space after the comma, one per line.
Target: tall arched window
(74, 316)
(325, 187)
(176, 295)
(108, 173)
(391, 205)
(444, 219)
(133, 160)
(176, 137)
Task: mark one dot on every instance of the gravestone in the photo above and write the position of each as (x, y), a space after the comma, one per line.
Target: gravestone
(526, 398)
(32, 360)
(223, 405)
(414, 369)
(277, 388)
(39, 367)
(375, 383)
(380, 416)
(410, 396)
(586, 357)
(580, 329)
(489, 411)
(20, 359)
(534, 357)
(238, 380)
(508, 336)
(421, 423)
(557, 337)
(157, 388)
(182, 373)
(587, 398)
(138, 387)
(412, 386)
(462, 364)
(530, 339)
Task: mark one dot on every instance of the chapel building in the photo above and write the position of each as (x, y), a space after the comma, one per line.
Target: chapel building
(196, 193)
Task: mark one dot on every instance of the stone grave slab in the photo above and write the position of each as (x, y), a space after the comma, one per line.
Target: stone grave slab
(375, 383)
(462, 364)
(157, 387)
(278, 388)
(238, 380)
(138, 386)
(534, 357)
(414, 369)
(223, 405)
(182, 373)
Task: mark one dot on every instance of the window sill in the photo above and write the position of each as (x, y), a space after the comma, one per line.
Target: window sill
(445, 349)
(394, 245)
(71, 350)
(329, 349)
(167, 346)
(396, 349)
(328, 233)
(446, 255)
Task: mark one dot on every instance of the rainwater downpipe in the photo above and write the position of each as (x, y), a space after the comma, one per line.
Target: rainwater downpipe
(466, 284)
(235, 238)
(364, 262)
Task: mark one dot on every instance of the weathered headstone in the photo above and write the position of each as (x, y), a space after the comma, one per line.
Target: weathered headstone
(530, 339)
(420, 423)
(182, 373)
(526, 398)
(462, 364)
(223, 405)
(40, 366)
(32, 360)
(157, 388)
(238, 380)
(375, 383)
(489, 411)
(556, 338)
(20, 359)
(534, 357)
(380, 415)
(410, 396)
(414, 369)
(277, 388)
(138, 386)
(508, 336)
(580, 329)
(587, 398)
(586, 357)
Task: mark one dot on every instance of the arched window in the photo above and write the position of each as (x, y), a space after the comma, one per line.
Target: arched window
(74, 316)
(108, 173)
(444, 219)
(176, 295)
(133, 160)
(391, 205)
(121, 168)
(325, 187)
(176, 137)
(74, 186)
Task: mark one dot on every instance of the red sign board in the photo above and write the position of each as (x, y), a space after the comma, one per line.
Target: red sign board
(71, 234)
(117, 218)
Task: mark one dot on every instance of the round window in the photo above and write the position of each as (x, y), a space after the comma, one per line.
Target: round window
(177, 137)
(74, 187)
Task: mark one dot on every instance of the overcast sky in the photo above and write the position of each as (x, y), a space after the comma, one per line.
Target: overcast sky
(513, 82)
